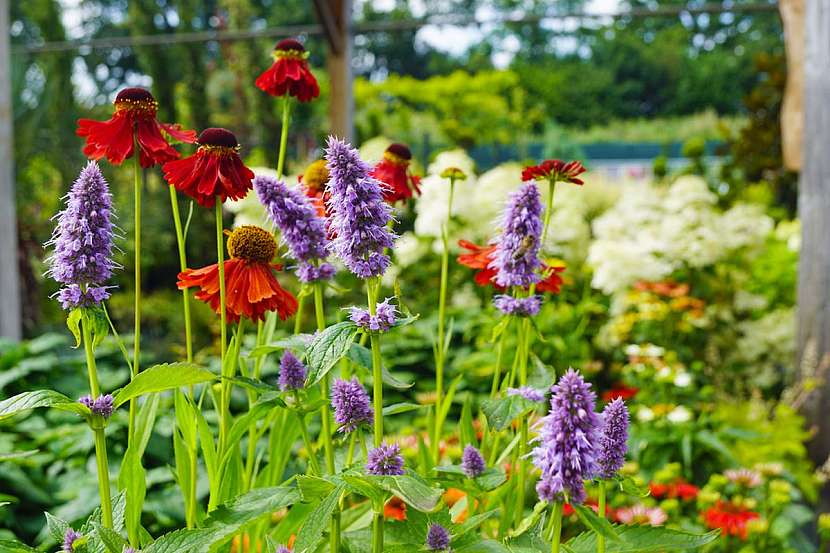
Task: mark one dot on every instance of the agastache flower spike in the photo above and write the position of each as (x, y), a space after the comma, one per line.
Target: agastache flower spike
(83, 242)
(567, 452)
(351, 404)
(472, 463)
(521, 307)
(69, 539)
(302, 228)
(385, 460)
(527, 392)
(438, 538)
(359, 215)
(516, 258)
(384, 318)
(613, 438)
(292, 372)
(102, 405)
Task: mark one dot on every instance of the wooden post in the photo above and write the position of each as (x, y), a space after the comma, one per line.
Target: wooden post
(792, 107)
(10, 326)
(336, 18)
(814, 211)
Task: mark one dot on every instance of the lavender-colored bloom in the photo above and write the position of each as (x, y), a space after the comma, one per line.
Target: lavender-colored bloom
(283, 549)
(308, 272)
(102, 405)
(69, 539)
(472, 463)
(87, 400)
(302, 229)
(527, 392)
(567, 452)
(438, 538)
(351, 404)
(383, 319)
(359, 215)
(129, 550)
(292, 372)
(83, 241)
(385, 460)
(521, 307)
(516, 258)
(613, 439)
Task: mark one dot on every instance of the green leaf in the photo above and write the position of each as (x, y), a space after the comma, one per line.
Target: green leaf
(490, 479)
(362, 485)
(73, 322)
(465, 423)
(315, 523)
(411, 489)
(327, 348)
(630, 487)
(56, 526)
(501, 412)
(643, 539)
(111, 539)
(313, 487)
(159, 378)
(14, 546)
(297, 343)
(500, 327)
(40, 398)
(362, 356)
(132, 479)
(226, 521)
(398, 408)
(598, 524)
(96, 321)
(252, 384)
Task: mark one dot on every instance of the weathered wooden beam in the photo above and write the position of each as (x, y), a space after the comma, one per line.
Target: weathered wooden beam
(336, 18)
(814, 211)
(328, 21)
(10, 326)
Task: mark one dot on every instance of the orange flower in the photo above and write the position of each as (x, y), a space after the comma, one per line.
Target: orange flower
(479, 257)
(395, 509)
(251, 288)
(135, 113)
(731, 519)
(393, 172)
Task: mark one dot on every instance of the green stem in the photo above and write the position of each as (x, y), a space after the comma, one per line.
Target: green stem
(312, 455)
(601, 509)
(548, 210)
(224, 415)
(138, 183)
(377, 367)
(556, 517)
(286, 109)
(298, 318)
(524, 345)
(98, 431)
(377, 527)
(497, 373)
(440, 351)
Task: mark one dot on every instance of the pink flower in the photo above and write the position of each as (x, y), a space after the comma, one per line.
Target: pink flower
(640, 514)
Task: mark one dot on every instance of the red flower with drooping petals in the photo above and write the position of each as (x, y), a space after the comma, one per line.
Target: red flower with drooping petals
(214, 170)
(289, 74)
(555, 170)
(731, 519)
(135, 113)
(620, 391)
(679, 488)
(480, 257)
(393, 172)
(251, 290)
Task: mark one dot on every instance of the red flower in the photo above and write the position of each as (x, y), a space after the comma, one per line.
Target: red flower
(620, 391)
(394, 509)
(731, 519)
(251, 289)
(214, 170)
(135, 112)
(289, 73)
(677, 489)
(393, 172)
(480, 257)
(555, 170)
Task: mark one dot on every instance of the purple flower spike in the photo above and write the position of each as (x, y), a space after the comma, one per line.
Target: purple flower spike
(567, 452)
(521, 307)
(438, 538)
(102, 405)
(88, 401)
(351, 404)
(383, 319)
(385, 460)
(83, 242)
(613, 439)
(283, 549)
(516, 258)
(308, 272)
(292, 372)
(302, 228)
(472, 463)
(69, 539)
(527, 392)
(359, 215)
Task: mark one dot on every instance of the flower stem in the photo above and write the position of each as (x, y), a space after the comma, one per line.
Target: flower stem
(312, 455)
(548, 209)
(556, 518)
(497, 373)
(601, 509)
(138, 184)
(377, 369)
(98, 431)
(377, 527)
(286, 110)
(524, 331)
(224, 415)
(440, 351)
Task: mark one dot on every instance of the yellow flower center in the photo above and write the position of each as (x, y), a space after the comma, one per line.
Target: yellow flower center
(395, 158)
(252, 243)
(141, 107)
(290, 54)
(218, 150)
(316, 175)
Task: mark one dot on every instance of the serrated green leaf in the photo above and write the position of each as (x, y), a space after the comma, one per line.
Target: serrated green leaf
(73, 323)
(630, 487)
(362, 356)
(315, 523)
(56, 526)
(643, 539)
(398, 408)
(40, 398)
(159, 378)
(313, 487)
(327, 348)
(598, 524)
(501, 412)
(96, 321)
(297, 343)
(490, 479)
(14, 546)
(412, 490)
(111, 539)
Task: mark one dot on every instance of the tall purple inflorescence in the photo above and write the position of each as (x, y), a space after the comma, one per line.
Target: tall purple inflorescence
(613, 439)
(83, 242)
(521, 307)
(385, 460)
(569, 434)
(359, 215)
(472, 463)
(384, 318)
(516, 259)
(351, 404)
(292, 372)
(102, 405)
(302, 228)
(438, 538)
(69, 539)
